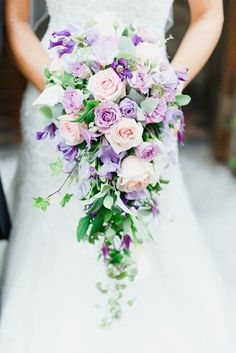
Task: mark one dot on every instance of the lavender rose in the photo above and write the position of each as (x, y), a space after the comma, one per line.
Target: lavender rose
(128, 108)
(81, 70)
(147, 151)
(106, 115)
(73, 100)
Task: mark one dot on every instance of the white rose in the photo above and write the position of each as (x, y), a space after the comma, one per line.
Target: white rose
(125, 134)
(136, 174)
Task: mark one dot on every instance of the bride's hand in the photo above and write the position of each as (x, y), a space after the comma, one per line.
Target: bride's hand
(26, 48)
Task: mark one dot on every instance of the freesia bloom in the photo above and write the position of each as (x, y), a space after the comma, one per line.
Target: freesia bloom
(106, 115)
(73, 100)
(62, 40)
(141, 80)
(136, 174)
(128, 108)
(50, 96)
(106, 85)
(71, 131)
(127, 133)
(147, 151)
(81, 70)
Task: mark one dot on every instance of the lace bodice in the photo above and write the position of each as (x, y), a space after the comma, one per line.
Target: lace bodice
(152, 12)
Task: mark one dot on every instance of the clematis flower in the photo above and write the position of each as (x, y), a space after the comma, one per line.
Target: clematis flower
(121, 67)
(69, 152)
(110, 160)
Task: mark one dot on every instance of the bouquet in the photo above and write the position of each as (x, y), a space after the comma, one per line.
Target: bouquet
(112, 104)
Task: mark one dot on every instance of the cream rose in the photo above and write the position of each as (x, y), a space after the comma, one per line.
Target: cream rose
(125, 134)
(71, 131)
(150, 52)
(106, 85)
(136, 174)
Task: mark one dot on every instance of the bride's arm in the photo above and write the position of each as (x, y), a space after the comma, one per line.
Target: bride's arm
(201, 37)
(25, 46)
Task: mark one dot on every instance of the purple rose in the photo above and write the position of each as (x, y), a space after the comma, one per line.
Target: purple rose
(128, 108)
(147, 151)
(106, 115)
(73, 100)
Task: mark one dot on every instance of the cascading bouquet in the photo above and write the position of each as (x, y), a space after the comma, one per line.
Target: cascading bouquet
(111, 98)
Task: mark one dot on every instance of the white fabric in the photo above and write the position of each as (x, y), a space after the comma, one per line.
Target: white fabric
(49, 294)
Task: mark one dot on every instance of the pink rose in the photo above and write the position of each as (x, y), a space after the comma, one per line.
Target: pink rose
(136, 174)
(125, 134)
(70, 130)
(106, 85)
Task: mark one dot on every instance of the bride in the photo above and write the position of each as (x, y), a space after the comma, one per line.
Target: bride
(48, 294)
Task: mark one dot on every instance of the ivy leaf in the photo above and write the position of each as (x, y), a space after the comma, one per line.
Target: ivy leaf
(83, 227)
(41, 203)
(183, 99)
(56, 167)
(65, 199)
(97, 225)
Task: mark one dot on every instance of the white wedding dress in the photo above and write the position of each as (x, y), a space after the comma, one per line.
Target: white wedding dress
(48, 302)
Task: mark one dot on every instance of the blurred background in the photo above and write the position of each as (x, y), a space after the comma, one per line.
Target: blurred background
(209, 155)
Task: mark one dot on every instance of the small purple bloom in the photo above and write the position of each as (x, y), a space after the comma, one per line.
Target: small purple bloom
(69, 152)
(83, 188)
(173, 114)
(121, 67)
(137, 195)
(73, 100)
(81, 70)
(126, 241)
(89, 136)
(182, 75)
(147, 151)
(128, 108)
(105, 251)
(106, 115)
(158, 114)
(110, 160)
(62, 40)
(136, 39)
(48, 130)
(91, 36)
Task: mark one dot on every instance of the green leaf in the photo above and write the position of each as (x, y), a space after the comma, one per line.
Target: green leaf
(121, 276)
(56, 167)
(183, 99)
(140, 115)
(108, 202)
(135, 96)
(90, 105)
(124, 208)
(57, 110)
(83, 227)
(41, 203)
(116, 258)
(125, 45)
(107, 214)
(125, 32)
(46, 111)
(65, 199)
(97, 225)
(96, 205)
(149, 104)
(232, 163)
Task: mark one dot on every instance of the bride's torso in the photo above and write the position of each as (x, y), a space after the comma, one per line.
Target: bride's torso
(151, 12)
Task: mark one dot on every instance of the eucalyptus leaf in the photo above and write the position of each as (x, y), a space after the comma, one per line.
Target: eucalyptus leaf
(183, 100)
(149, 104)
(126, 45)
(135, 96)
(140, 115)
(46, 112)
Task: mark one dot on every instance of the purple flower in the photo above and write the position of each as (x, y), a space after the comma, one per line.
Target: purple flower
(48, 130)
(136, 39)
(106, 115)
(62, 40)
(69, 152)
(89, 136)
(182, 75)
(126, 241)
(166, 77)
(105, 251)
(147, 151)
(172, 115)
(91, 36)
(128, 108)
(81, 70)
(121, 67)
(73, 100)
(110, 160)
(137, 195)
(83, 188)
(141, 79)
(158, 114)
